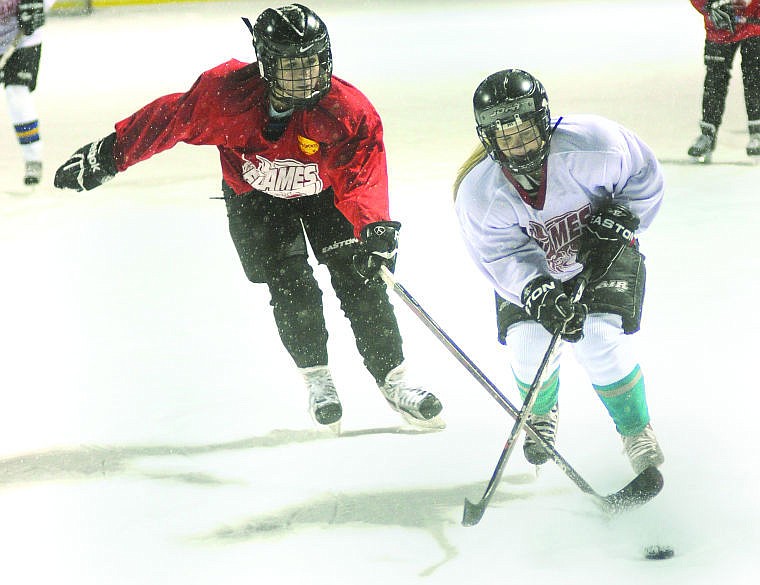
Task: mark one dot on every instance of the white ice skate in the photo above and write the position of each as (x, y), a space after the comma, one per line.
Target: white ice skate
(32, 172)
(546, 425)
(324, 404)
(643, 450)
(418, 406)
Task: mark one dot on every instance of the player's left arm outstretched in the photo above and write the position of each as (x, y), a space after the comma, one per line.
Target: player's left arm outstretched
(158, 126)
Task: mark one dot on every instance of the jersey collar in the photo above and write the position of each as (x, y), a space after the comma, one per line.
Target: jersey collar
(535, 200)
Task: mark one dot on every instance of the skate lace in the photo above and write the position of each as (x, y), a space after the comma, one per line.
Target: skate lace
(321, 387)
(754, 141)
(642, 444)
(546, 425)
(409, 398)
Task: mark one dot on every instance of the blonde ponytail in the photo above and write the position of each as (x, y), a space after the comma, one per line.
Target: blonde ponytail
(477, 155)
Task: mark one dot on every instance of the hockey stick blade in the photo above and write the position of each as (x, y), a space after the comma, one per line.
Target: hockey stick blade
(473, 512)
(645, 486)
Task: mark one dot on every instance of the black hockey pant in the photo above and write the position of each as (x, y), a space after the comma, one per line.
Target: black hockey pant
(269, 237)
(719, 59)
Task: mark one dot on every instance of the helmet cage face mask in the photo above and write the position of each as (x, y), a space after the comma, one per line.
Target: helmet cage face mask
(519, 144)
(300, 81)
(293, 52)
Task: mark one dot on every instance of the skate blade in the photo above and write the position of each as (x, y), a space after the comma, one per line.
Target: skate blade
(755, 160)
(330, 430)
(333, 428)
(705, 159)
(435, 423)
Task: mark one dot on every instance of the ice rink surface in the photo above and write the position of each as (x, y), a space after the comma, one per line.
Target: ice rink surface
(153, 431)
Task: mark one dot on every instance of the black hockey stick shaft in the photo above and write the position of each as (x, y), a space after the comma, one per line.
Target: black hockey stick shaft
(473, 512)
(644, 486)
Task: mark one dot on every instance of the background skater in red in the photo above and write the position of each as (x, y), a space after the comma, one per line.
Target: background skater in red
(302, 156)
(731, 26)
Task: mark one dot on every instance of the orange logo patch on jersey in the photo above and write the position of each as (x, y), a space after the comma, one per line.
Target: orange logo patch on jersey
(308, 147)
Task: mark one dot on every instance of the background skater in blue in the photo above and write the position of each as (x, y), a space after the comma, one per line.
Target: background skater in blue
(539, 202)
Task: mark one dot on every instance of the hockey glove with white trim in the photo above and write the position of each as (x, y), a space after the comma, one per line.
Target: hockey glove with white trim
(378, 247)
(607, 233)
(545, 300)
(31, 15)
(721, 13)
(89, 167)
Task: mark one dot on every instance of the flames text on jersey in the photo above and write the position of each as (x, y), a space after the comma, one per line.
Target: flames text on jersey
(284, 178)
(560, 236)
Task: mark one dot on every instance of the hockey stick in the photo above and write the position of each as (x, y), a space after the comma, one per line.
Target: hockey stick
(473, 512)
(11, 49)
(645, 486)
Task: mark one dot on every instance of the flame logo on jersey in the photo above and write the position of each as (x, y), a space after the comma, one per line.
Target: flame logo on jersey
(560, 237)
(307, 146)
(283, 178)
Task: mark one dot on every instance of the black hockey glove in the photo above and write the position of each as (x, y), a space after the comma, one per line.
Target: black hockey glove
(545, 300)
(89, 167)
(31, 15)
(607, 233)
(377, 248)
(721, 13)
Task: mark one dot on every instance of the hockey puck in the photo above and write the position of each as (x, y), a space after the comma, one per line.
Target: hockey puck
(658, 552)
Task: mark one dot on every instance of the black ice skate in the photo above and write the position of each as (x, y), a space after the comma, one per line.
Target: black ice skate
(701, 150)
(546, 425)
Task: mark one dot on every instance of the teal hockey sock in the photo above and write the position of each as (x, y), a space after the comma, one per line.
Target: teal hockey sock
(547, 393)
(626, 402)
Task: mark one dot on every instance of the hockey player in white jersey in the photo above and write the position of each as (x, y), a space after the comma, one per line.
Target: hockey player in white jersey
(20, 51)
(540, 202)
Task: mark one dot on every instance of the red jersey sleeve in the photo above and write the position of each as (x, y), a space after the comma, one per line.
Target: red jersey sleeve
(180, 117)
(357, 164)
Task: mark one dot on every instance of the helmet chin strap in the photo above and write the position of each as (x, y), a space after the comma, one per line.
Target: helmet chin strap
(279, 104)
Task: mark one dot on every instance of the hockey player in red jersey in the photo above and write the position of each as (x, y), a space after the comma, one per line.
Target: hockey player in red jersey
(731, 26)
(302, 157)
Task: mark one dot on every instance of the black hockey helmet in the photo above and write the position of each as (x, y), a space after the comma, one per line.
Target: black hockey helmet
(296, 32)
(512, 105)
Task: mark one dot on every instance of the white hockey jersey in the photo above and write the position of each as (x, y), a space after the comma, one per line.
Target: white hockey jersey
(513, 238)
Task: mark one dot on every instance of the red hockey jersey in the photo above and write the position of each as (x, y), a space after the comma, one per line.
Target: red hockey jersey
(338, 143)
(743, 9)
